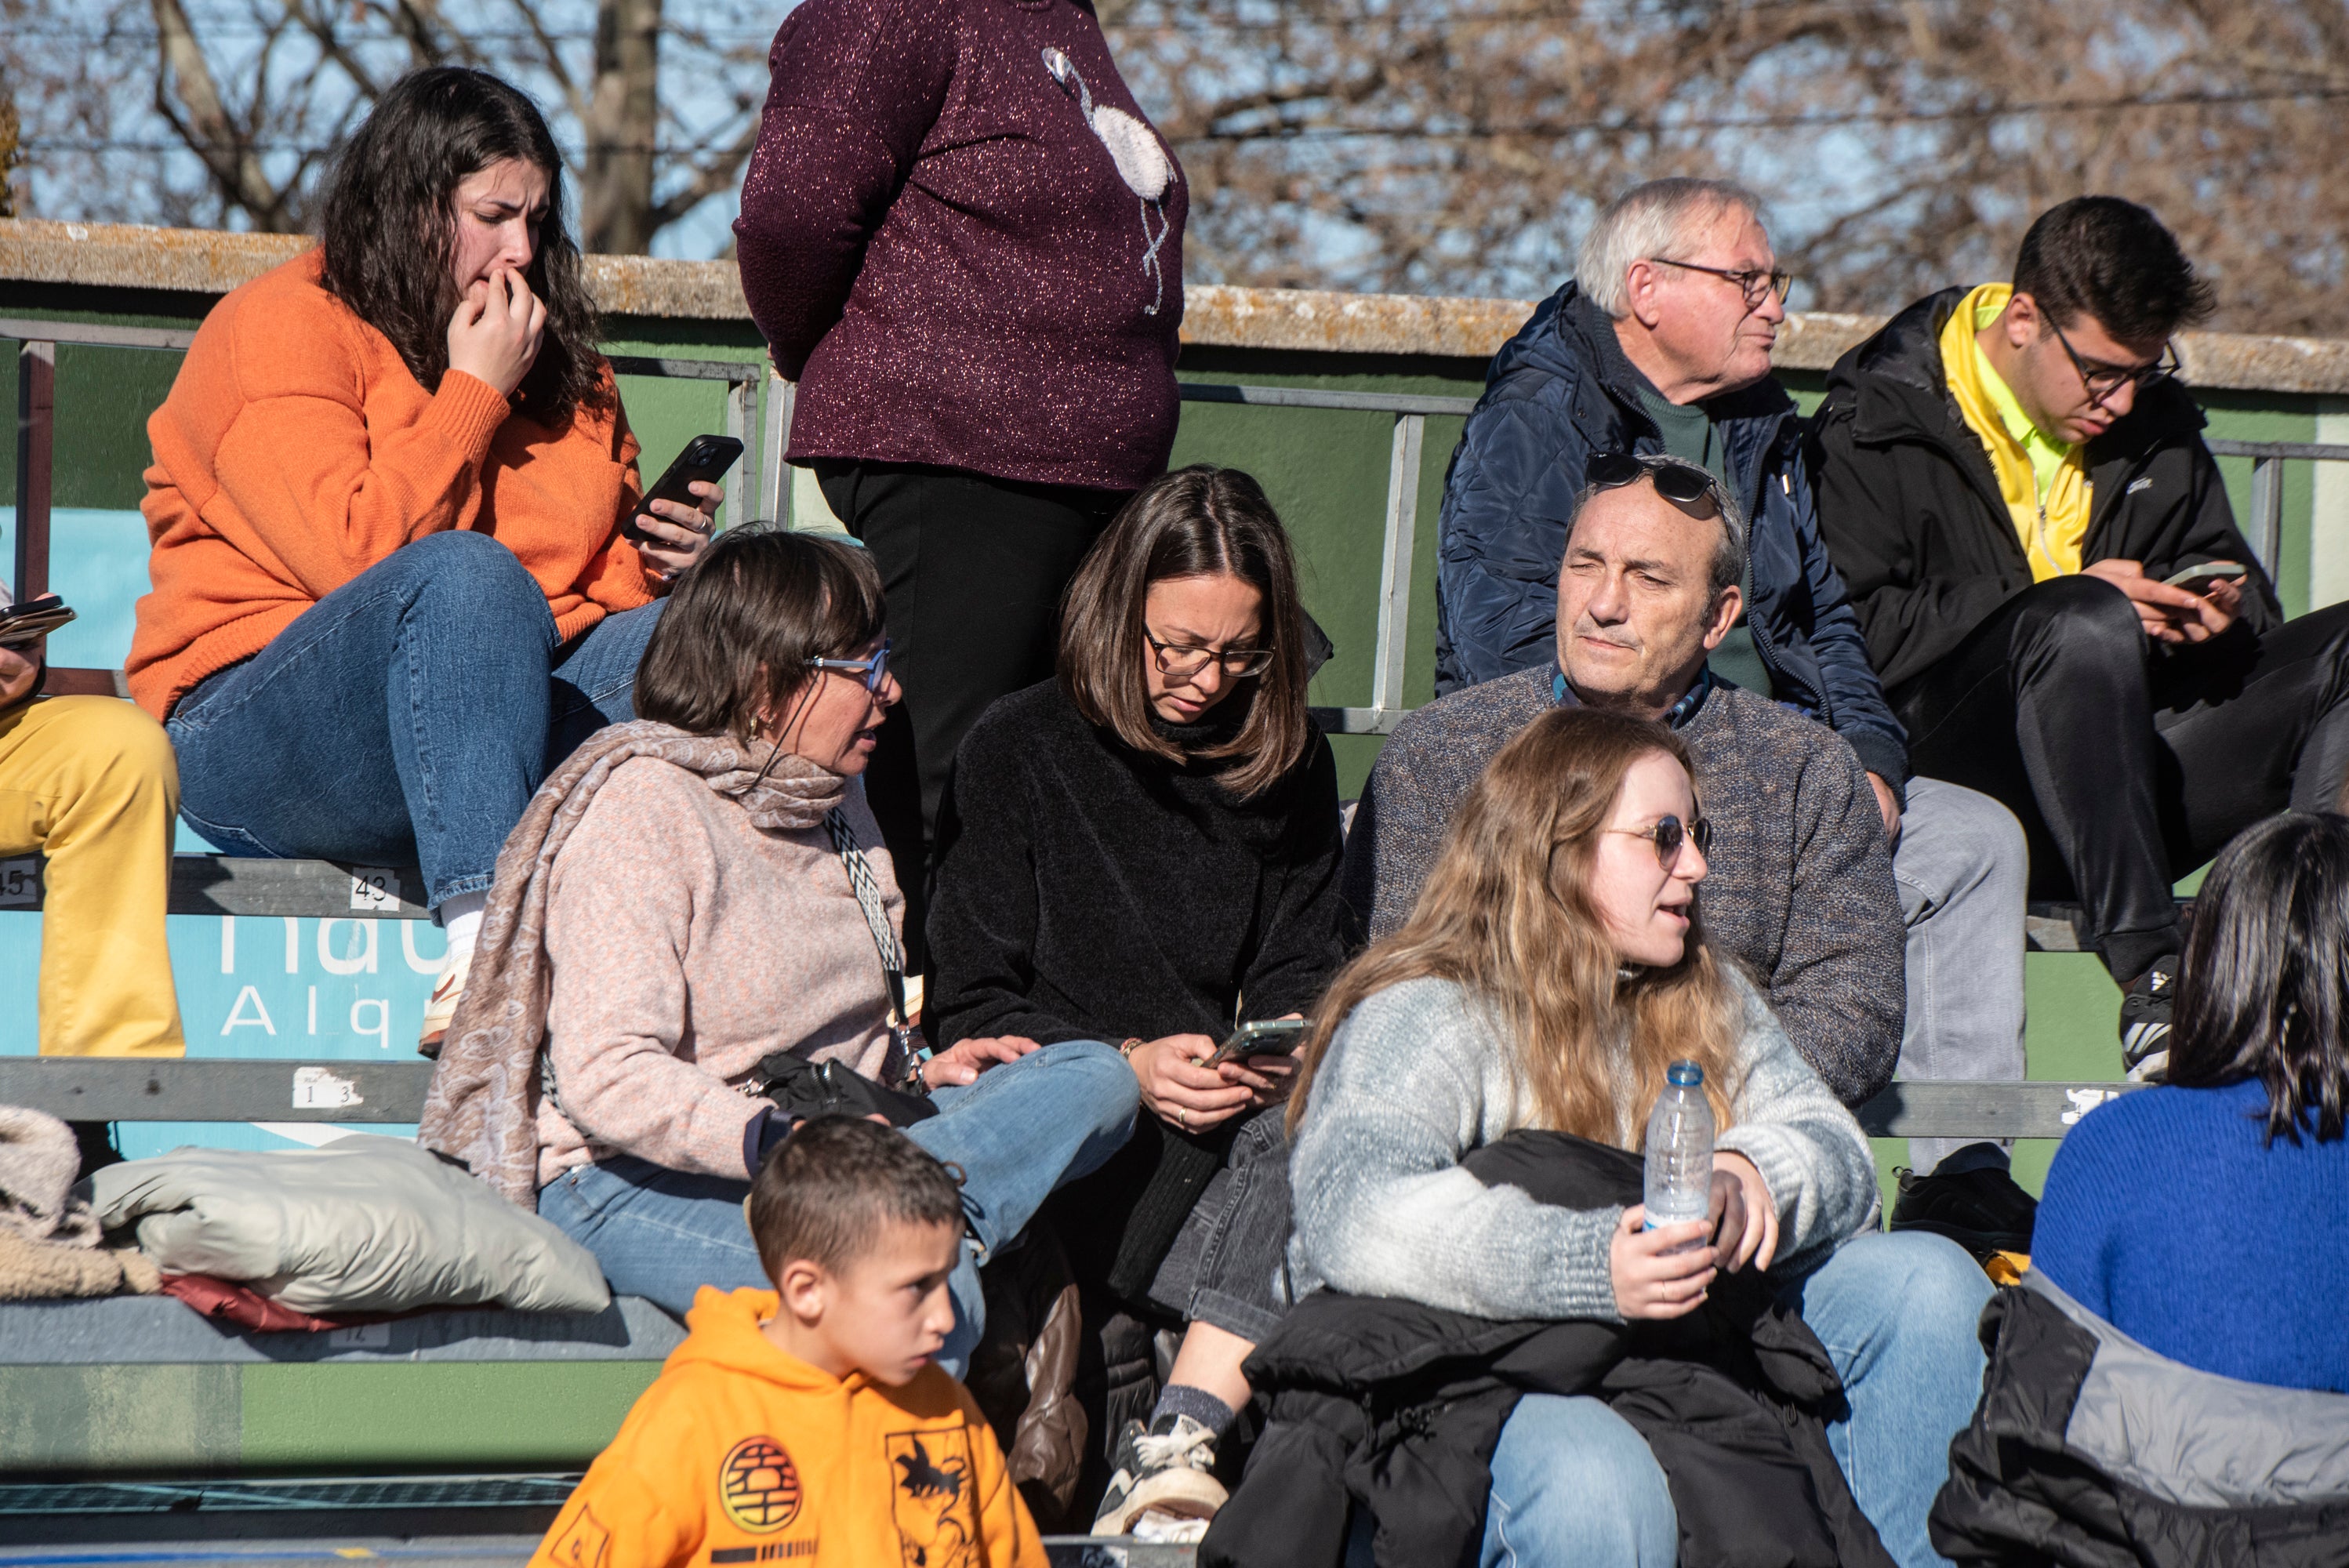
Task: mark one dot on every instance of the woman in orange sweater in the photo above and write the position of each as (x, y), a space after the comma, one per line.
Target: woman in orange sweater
(390, 591)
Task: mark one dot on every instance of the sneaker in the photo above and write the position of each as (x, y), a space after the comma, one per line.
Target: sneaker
(2145, 1021)
(1982, 1210)
(443, 1007)
(1161, 1485)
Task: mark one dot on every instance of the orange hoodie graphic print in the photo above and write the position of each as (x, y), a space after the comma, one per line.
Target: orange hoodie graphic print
(741, 1455)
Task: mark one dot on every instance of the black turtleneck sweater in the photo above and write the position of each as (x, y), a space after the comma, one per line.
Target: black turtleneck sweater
(1086, 890)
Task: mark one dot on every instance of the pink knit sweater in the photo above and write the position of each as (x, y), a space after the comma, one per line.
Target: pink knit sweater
(685, 944)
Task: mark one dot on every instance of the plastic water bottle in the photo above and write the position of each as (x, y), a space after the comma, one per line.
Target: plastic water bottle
(1680, 1150)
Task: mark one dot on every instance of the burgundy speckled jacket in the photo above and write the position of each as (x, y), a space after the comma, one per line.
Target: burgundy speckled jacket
(963, 240)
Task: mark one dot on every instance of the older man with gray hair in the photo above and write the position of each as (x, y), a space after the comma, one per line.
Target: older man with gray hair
(1660, 346)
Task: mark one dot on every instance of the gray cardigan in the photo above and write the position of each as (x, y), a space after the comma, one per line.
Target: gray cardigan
(1800, 890)
(1419, 1075)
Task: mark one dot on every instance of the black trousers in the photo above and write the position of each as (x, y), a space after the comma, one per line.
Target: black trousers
(974, 568)
(2130, 763)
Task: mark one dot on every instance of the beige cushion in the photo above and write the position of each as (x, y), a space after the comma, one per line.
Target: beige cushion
(365, 1224)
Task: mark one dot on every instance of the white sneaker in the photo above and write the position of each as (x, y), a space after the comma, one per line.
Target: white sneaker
(1162, 1482)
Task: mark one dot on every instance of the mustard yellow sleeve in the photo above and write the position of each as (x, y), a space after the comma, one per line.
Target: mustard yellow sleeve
(1003, 1518)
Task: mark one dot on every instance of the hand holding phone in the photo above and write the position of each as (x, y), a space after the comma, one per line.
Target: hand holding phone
(706, 459)
(21, 626)
(1269, 1037)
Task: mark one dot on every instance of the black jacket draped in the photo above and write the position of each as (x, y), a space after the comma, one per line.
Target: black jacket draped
(1396, 1408)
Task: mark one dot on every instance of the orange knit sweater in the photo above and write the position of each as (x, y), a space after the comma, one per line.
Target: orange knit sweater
(295, 450)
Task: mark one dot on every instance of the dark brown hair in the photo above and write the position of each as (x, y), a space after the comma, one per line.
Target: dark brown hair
(1194, 522)
(754, 602)
(1507, 915)
(2264, 989)
(389, 231)
(2103, 257)
(823, 1195)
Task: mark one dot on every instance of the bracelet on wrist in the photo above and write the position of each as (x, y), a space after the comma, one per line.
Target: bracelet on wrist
(1133, 1044)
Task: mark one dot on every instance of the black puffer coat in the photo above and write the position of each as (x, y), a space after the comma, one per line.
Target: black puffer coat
(2091, 1451)
(1396, 1408)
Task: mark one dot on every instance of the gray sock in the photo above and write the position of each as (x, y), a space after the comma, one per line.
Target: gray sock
(1182, 1399)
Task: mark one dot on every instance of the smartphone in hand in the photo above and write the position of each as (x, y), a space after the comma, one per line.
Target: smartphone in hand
(1271, 1038)
(706, 458)
(2198, 578)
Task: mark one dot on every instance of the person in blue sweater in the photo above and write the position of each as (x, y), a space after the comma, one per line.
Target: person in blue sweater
(2203, 1219)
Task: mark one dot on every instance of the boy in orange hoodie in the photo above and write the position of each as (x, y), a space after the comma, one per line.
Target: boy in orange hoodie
(808, 1424)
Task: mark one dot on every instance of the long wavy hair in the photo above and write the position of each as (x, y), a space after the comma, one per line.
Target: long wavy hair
(2263, 992)
(1194, 522)
(1507, 914)
(389, 231)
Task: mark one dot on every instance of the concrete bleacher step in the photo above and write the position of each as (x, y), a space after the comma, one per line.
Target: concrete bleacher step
(416, 1521)
(92, 1088)
(345, 890)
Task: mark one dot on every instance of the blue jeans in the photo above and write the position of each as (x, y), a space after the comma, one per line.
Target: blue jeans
(1963, 872)
(1574, 1483)
(407, 716)
(1024, 1129)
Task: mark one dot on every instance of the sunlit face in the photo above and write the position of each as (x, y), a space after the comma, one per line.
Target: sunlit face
(886, 1313)
(833, 718)
(1635, 609)
(498, 212)
(1704, 327)
(2049, 385)
(1218, 612)
(1643, 903)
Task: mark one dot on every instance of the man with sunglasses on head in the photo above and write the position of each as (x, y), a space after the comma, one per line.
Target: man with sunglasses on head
(1799, 890)
(2040, 549)
(1660, 345)
(90, 783)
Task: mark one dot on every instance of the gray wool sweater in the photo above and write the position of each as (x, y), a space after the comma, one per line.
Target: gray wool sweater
(1419, 1074)
(1800, 890)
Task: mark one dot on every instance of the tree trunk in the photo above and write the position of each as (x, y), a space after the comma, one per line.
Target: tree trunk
(616, 198)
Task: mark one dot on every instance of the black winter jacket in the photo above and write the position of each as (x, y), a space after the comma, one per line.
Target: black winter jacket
(1561, 390)
(1910, 507)
(2089, 1450)
(1396, 1408)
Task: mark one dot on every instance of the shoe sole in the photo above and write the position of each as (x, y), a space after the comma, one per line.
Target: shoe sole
(1180, 1494)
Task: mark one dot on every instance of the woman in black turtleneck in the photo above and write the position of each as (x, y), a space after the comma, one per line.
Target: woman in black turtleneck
(1146, 850)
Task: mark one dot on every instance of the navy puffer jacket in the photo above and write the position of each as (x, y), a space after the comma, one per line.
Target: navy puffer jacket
(1561, 390)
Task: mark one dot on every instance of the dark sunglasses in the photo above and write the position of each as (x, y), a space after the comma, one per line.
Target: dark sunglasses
(1683, 484)
(1670, 833)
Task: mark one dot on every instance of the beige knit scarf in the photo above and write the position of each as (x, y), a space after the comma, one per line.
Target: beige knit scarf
(482, 1107)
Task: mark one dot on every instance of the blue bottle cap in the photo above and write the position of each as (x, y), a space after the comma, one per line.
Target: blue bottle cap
(1684, 1075)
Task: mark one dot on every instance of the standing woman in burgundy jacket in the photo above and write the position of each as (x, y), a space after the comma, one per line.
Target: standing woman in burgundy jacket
(965, 242)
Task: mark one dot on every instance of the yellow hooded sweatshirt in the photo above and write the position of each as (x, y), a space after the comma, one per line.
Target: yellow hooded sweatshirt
(741, 1454)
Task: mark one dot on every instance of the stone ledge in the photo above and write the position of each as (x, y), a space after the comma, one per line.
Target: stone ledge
(113, 256)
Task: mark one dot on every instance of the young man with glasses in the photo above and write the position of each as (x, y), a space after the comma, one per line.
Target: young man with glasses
(1661, 344)
(2016, 489)
(89, 782)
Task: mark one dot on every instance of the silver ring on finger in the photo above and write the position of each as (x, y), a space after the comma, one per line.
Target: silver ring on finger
(1183, 1119)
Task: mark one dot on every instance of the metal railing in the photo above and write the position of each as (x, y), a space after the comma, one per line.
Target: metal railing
(754, 393)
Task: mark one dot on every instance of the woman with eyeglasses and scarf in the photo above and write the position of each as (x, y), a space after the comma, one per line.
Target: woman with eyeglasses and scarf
(698, 891)
(1146, 850)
